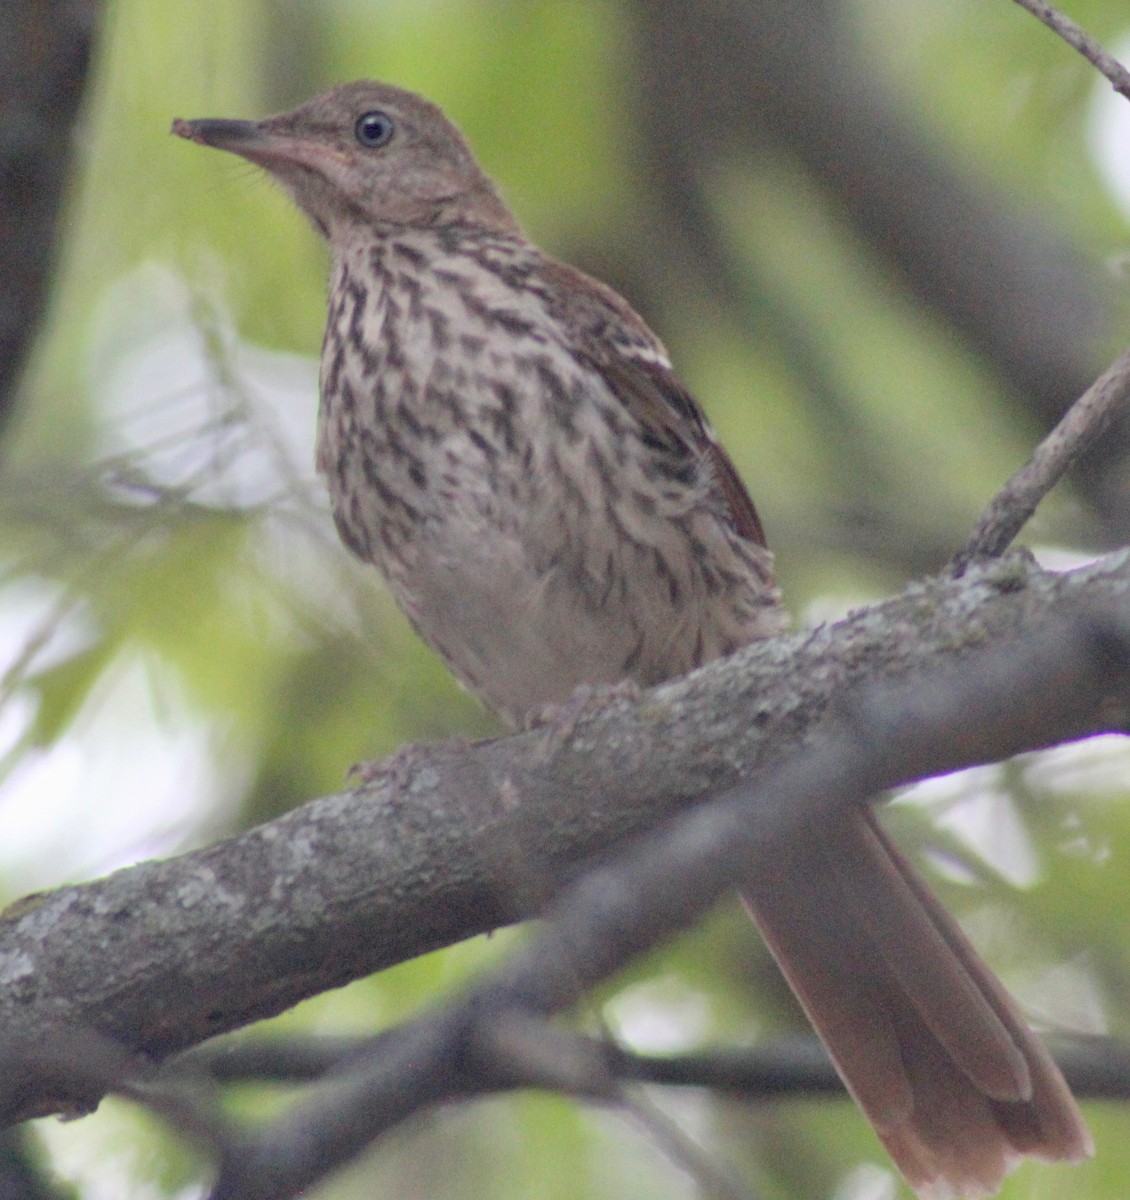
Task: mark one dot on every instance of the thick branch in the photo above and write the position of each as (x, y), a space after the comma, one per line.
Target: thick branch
(617, 911)
(456, 840)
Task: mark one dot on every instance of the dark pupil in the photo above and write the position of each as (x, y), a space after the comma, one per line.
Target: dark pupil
(373, 129)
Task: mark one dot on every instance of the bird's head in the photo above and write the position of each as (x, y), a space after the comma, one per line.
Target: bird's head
(365, 155)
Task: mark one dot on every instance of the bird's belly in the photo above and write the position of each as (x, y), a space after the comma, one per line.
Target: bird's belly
(516, 634)
(522, 629)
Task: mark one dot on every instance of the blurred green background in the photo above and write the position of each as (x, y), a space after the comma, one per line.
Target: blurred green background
(884, 242)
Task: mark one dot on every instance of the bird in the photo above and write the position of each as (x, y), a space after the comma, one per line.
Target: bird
(507, 442)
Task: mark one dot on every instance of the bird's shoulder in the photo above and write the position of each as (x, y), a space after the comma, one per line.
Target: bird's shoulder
(606, 332)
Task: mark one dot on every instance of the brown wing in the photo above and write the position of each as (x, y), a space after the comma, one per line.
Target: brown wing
(616, 340)
(656, 397)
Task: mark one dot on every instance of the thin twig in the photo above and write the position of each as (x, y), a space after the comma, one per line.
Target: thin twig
(1081, 426)
(714, 1178)
(789, 1066)
(1074, 35)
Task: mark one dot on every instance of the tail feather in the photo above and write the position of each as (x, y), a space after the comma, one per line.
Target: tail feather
(925, 1038)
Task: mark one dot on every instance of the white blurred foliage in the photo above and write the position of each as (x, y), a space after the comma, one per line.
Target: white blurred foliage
(868, 1181)
(187, 413)
(659, 1016)
(976, 806)
(1108, 131)
(194, 410)
(137, 774)
(1097, 767)
(103, 1157)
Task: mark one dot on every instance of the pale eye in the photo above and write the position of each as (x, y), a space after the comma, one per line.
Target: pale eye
(374, 129)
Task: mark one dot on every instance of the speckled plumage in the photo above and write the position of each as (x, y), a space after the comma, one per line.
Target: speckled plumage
(538, 532)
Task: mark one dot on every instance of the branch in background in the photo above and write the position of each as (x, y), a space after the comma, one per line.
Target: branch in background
(1076, 36)
(1096, 1068)
(785, 1067)
(45, 51)
(1011, 507)
(779, 322)
(984, 261)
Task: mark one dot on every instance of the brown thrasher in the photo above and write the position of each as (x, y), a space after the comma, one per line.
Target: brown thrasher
(505, 439)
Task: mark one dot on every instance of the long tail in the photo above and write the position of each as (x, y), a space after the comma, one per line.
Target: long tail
(924, 1036)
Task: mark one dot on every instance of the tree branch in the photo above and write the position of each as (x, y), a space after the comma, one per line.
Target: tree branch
(45, 51)
(1080, 428)
(455, 840)
(880, 736)
(787, 1066)
(1076, 36)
